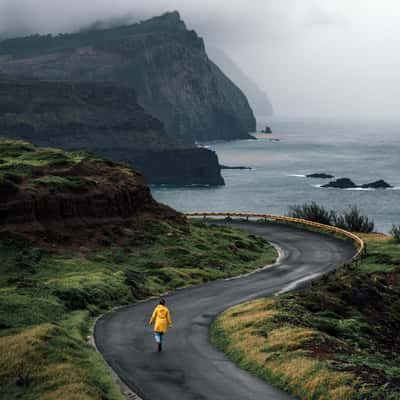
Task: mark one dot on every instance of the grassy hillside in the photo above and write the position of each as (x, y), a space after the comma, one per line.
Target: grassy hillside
(338, 340)
(48, 298)
(79, 235)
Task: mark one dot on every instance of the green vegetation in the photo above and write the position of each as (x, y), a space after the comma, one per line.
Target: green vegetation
(337, 340)
(395, 232)
(19, 159)
(350, 220)
(49, 298)
(68, 182)
(25, 166)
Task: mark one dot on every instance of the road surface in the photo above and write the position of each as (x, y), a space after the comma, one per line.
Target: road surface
(190, 368)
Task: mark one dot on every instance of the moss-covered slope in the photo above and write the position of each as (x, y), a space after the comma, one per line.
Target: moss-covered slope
(54, 192)
(338, 340)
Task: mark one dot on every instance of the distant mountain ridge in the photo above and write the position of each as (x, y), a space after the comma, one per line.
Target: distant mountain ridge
(160, 58)
(258, 98)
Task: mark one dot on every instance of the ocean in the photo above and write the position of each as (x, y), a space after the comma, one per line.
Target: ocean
(361, 151)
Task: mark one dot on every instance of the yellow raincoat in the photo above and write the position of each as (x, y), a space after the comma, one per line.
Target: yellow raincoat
(162, 319)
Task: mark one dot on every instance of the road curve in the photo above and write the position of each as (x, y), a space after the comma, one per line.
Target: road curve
(190, 368)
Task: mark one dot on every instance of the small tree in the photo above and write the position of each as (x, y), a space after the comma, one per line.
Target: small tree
(395, 232)
(353, 220)
(312, 212)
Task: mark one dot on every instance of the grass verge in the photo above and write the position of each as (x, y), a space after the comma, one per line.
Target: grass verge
(338, 340)
(48, 299)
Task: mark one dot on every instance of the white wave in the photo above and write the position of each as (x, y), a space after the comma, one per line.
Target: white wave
(373, 189)
(358, 189)
(296, 175)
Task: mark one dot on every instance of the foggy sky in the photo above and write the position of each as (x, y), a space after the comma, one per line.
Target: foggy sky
(337, 58)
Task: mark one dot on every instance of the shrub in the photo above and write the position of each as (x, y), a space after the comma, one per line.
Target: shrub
(312, 212)
(353, 220)
(395, 232)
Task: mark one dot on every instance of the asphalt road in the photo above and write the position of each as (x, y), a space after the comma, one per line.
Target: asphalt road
(190, 368)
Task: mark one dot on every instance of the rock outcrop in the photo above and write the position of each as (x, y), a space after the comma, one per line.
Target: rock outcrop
(46, 189)
(379, 184)
(320, 175)
(341, 183)
(346, 183)
(104, 119)
(267, 130)
(160, 58)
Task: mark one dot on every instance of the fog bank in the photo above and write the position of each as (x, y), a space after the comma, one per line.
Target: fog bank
(315, 58)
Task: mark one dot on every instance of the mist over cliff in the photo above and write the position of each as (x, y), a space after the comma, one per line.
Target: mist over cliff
(160, 58)
(258, 98)
(315, 58)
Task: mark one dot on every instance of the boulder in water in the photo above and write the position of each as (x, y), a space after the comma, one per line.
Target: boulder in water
(341, 183)
(380, 184)
(320, 176)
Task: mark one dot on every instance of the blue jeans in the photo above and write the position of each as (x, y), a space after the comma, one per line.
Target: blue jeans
(159, 337)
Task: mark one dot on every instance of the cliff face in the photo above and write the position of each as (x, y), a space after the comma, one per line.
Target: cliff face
(103, 119)
(257, 97)
(46, 189)
(165, 63)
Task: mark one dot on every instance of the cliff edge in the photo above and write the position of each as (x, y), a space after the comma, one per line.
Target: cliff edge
(55, 192)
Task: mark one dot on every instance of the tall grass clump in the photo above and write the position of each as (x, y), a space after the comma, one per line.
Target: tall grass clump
(395, 232)
(351, 219)
(312, 212)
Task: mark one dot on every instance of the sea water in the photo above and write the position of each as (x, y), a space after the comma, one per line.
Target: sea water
(361, 151)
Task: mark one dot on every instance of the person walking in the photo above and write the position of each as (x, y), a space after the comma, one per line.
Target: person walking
(162, 321)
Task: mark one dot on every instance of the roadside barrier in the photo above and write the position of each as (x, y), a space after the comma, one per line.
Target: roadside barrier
(359, 243)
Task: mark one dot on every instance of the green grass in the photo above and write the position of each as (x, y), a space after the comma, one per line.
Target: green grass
(48, 300)
(21, 158)
(60, 182)
(337, 340)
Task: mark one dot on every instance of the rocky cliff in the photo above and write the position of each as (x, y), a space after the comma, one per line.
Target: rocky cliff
(44, 190)
(164, 61)
(103, 119)
(258, 98)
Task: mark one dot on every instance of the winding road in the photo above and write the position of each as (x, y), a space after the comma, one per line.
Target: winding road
(190, 368)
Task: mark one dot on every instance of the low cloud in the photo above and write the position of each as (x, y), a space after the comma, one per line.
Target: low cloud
(313, 57)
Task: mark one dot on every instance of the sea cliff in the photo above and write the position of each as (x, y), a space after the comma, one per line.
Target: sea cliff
(160, 58)
(104, 119)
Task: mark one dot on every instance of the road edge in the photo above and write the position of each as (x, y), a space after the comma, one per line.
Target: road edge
(128, 392)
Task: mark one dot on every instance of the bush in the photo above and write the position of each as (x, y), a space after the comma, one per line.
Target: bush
(312, 212)
(395, 232)
(353, 220)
